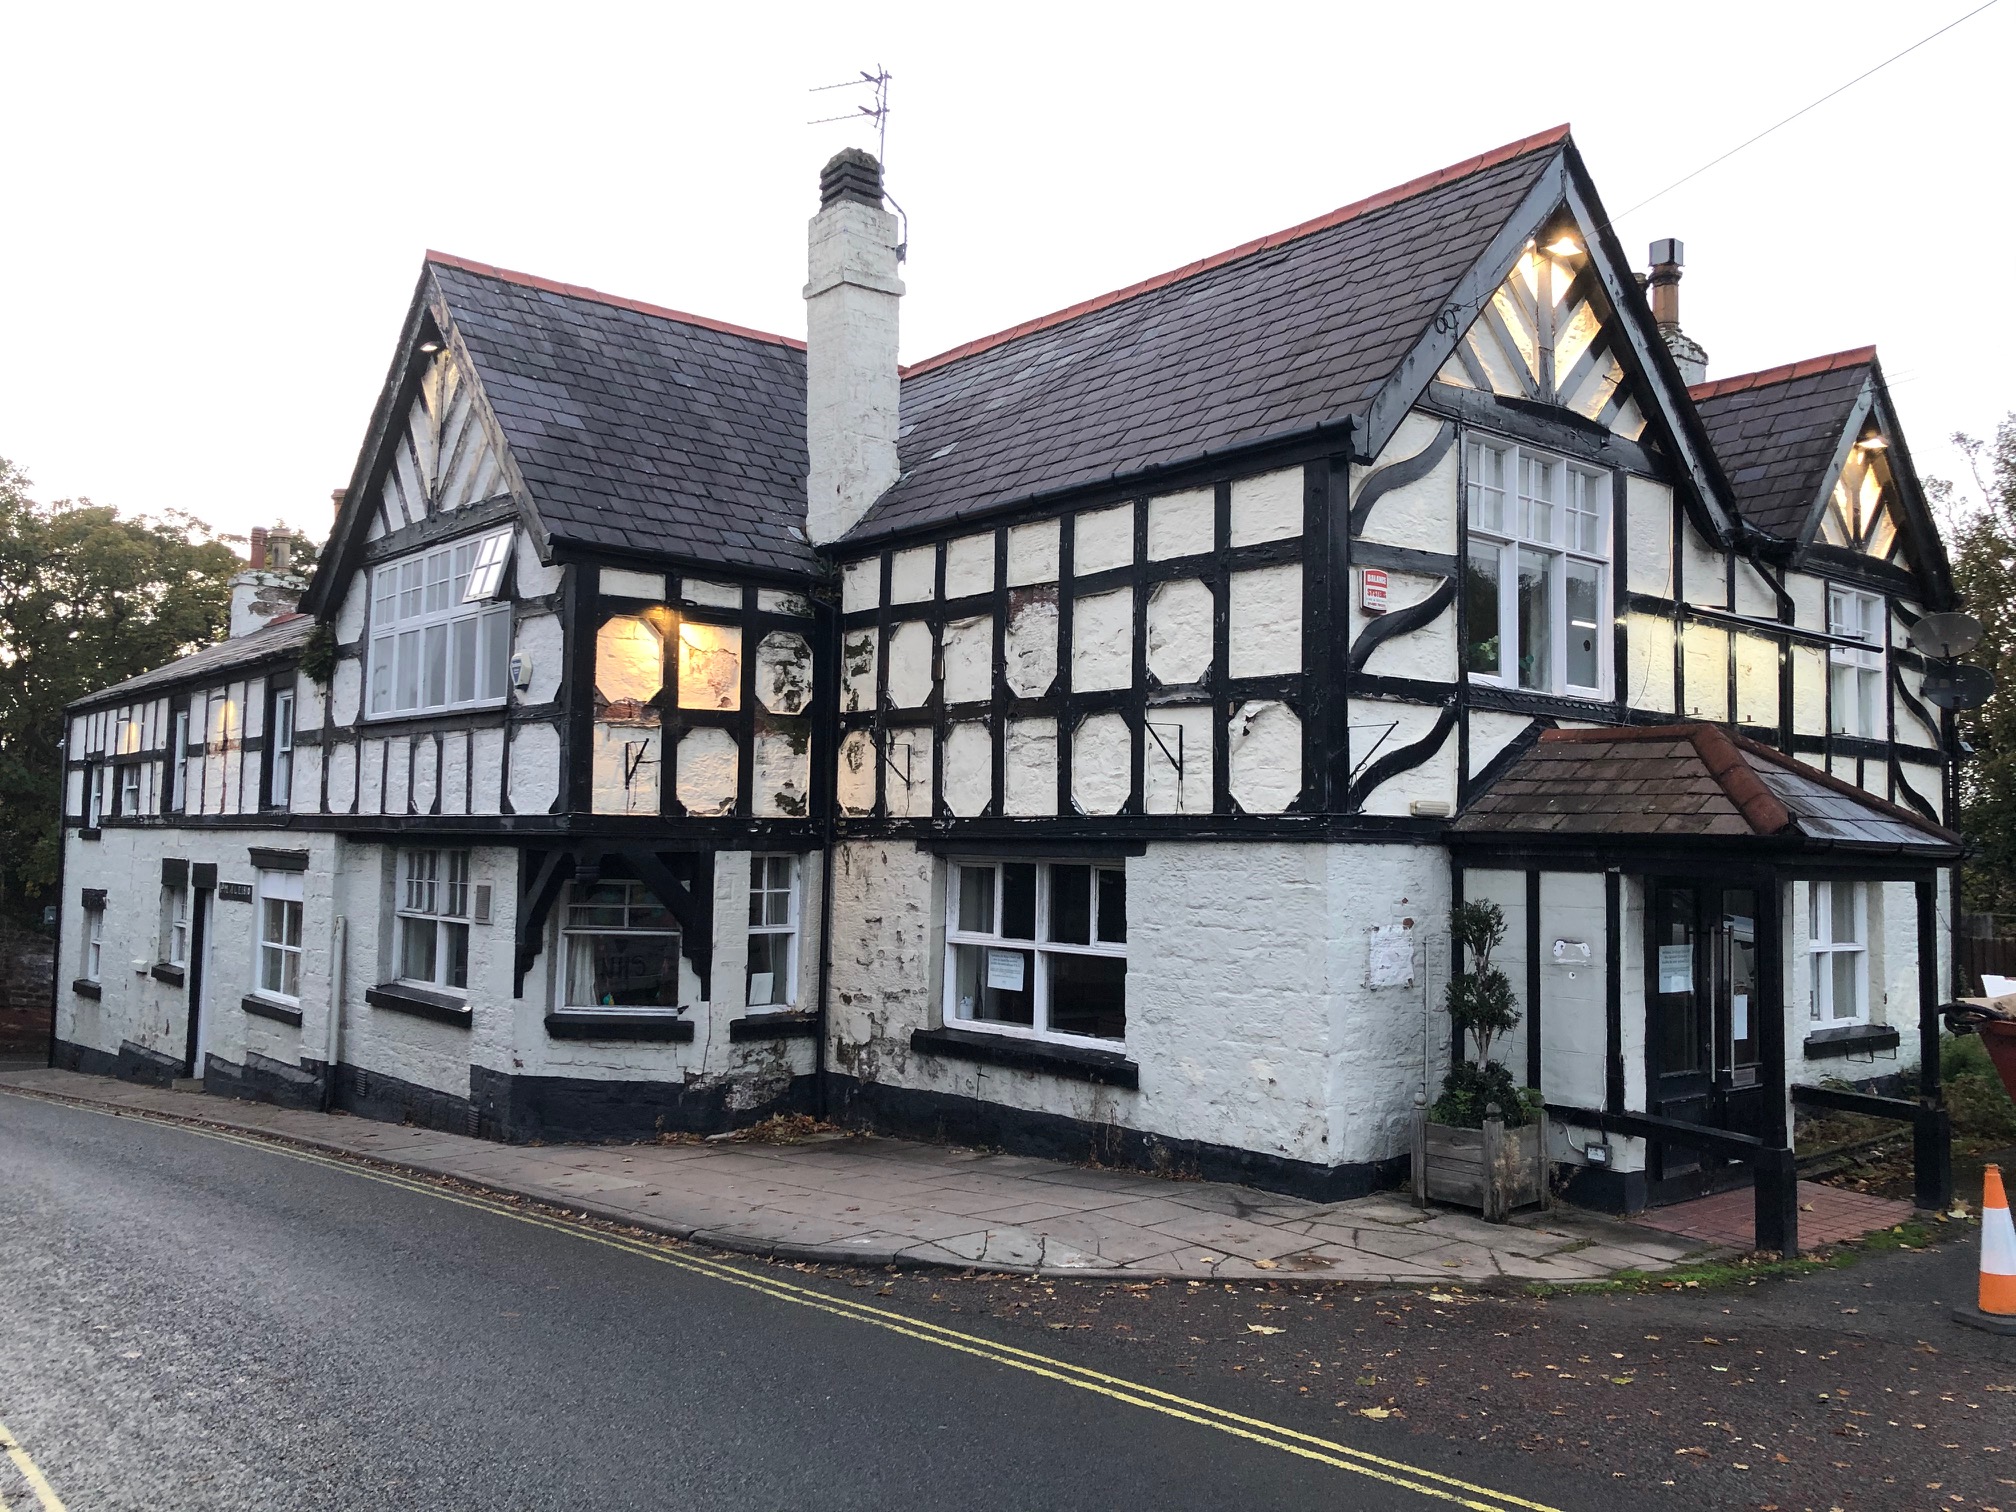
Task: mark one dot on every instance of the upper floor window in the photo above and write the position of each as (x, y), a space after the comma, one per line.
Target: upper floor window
(1535, 579)
(278, 974)
(773, 930)
(1837, 937)
(1038, 947)
(178, 763)
(621, 948)
(129, 788)
(281, 748)
(437, 640)
(434, 918)
(97, 779)
(1855, 672)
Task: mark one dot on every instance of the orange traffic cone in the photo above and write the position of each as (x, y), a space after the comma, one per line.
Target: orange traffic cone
(1997, 1311)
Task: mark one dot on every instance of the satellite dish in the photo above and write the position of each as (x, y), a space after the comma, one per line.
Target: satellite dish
(1959, 687)
(1946, 635)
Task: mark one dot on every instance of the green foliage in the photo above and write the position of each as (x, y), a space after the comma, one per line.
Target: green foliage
(1975, 1097)
(1981, 542)
(318, 656)
(1481, 1006)
(87, 598)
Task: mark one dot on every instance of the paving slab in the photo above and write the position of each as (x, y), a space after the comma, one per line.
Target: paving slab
(859, 1199)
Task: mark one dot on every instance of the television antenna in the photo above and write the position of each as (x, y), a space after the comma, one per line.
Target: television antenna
(878, 112)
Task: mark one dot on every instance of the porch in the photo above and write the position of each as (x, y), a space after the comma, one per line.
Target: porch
(1697, 920)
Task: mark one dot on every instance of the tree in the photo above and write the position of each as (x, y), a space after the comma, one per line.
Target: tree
(1981, 540)
(88, 598)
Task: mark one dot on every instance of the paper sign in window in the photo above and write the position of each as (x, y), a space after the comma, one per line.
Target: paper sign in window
(1676, 968)
(1739, 1016)
(1004, 970)
(760, 985)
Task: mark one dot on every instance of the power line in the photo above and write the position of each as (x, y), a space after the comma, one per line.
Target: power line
(1802, 111)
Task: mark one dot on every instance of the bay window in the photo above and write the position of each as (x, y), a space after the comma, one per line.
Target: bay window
(1535, 577)
(773, 931)
(1037, 948)
(278, 973)
(1855, 672)
(620, 949)
(434, 918)
(437, 640)
(1837, 942)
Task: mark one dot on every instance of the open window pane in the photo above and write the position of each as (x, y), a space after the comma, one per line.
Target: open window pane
(416, 949)
(1481, 608)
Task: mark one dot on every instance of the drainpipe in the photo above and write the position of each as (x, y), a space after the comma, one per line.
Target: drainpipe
(825, 961)
(339, 941)
(62, 856)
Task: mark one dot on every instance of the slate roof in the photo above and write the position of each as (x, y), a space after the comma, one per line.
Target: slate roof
(1688, 782)
(636, 427)
(1776, 433)
(1276, 337)
(287, 632)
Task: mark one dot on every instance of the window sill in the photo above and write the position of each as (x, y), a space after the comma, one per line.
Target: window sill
(1107, 1067)
(1850, 1039)
(783, 1023)
(84, 987)
(266, 1008)
(165, 971)
(419, 1002)
(662, 1027)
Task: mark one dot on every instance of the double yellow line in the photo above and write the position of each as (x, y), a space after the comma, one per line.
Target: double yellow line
(45, 1496)
(1397, 1473)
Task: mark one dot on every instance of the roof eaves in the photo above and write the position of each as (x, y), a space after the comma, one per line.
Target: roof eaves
(1847, 789)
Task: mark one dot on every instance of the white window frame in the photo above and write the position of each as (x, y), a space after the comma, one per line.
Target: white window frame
(174, 945)
(178, 758)
(94, 943)
(1041, 948)
(280, 749)
(1573, 492)
(434, 893)
(288, 889)
(762, 889)
(1822, 948)
(96, 779)
(636, 896)
(129, 789)
(1855, 616)
(421, 607)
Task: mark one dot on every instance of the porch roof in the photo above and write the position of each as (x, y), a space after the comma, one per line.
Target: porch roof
(1689, 783)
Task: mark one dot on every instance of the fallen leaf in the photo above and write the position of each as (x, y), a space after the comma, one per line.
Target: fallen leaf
(1440, 1297)
(1261, 1328)
(1267, 1264)
(1375, 1412)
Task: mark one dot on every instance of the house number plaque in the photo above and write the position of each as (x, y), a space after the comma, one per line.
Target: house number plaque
(234, 892)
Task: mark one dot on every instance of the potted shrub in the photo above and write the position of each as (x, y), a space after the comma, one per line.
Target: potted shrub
(1480, 1143)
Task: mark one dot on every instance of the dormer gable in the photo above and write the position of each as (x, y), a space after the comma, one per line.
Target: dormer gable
(445, 459)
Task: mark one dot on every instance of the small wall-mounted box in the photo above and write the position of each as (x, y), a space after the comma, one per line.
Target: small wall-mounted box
(1372, 586)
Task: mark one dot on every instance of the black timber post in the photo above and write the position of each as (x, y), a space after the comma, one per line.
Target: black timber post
(1613, 992)
(1326, 523)
(1931, 1130)
(582, 616)
(1776, 1178)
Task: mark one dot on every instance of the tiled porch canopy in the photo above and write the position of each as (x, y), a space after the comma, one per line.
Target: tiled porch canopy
(1695, 784)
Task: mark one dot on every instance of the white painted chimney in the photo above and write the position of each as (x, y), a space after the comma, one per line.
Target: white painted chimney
(851, 387)
(266, 588)
(1669, 256)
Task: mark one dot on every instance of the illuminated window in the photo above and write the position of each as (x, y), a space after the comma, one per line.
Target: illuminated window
(1037, 948)
(710, 666)
(1534, 580)
(1837, 937)
(437, 640)
(621, 949)
(773, 931)
(1855, 672)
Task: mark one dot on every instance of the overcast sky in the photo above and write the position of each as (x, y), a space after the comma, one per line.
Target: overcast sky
(216, 214)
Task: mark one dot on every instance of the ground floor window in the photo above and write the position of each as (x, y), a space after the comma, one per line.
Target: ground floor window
(621, 948)
(279, 964)
(1837, 936)
(94, 941)
(434, 918)
(1038, 947)
(175, 925)
(773, 931)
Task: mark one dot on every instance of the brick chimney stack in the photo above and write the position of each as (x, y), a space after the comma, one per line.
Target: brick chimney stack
(264, 588)
(1669, 256)
(258, 552)
(852, 390)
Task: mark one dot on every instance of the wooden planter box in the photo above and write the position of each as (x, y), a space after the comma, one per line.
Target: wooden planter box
(1494, 1168)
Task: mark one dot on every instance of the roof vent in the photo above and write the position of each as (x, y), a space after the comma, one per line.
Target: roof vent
(851, 175)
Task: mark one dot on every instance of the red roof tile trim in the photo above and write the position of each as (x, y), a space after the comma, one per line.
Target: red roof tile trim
(1857, 357)
(577, 291)
(1336, 217)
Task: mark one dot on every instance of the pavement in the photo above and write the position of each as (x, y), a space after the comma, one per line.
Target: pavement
(864, 1200)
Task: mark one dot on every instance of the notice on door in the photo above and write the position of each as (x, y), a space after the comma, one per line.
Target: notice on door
(1739, 1016)
(1676, 968)
(1004, 970)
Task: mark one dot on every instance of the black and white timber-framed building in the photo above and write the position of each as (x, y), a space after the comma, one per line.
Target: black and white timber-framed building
(1073, 742)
